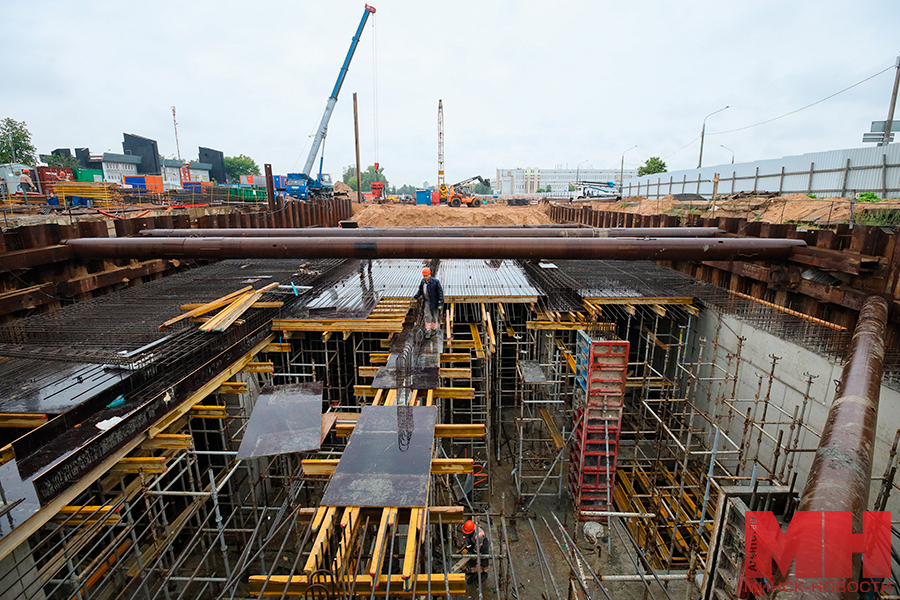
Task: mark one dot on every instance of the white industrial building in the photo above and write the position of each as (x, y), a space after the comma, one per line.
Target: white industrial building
(530, 179)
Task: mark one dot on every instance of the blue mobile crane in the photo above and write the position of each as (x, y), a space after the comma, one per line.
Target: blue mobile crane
(303, 185)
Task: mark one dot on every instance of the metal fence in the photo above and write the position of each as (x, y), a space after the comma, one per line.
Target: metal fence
(836, 173)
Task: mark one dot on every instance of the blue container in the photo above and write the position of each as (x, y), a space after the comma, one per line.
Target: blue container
(136, 181)
(423, 197)
(279, 181)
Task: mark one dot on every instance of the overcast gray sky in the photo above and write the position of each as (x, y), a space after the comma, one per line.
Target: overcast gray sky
(524, 83)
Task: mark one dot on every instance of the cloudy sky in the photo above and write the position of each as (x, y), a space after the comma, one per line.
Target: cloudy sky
(524, 83)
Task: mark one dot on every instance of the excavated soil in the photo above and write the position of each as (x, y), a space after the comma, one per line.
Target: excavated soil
(405, 215)
(796, 208)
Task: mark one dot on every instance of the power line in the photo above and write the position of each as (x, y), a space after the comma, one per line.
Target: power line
(807, 106)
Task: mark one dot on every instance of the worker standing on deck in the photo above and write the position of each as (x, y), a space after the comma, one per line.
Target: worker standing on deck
(25, 181)
(433, 294)
(479, 546)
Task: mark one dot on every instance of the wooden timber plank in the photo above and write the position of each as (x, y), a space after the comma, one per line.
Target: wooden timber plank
(455, 373)
(208, 307)
(259, 367)
(337, 326)
(22, 420)
(554, 430)
(476, 339)
(279, 585)
(380, 542)
(168, 441)
(277, 347)
(232, 387)
(319, 545)
(454, 392)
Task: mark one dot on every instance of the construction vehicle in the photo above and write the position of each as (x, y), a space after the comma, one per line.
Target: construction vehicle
(303, 185)
(598, 190)
(461, 193)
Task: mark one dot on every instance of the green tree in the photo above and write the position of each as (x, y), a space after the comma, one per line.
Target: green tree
(15, 143)
(571, 188)
(62, 161)
(235, 166)
(368, 176)
(653, 165)
(482, 189)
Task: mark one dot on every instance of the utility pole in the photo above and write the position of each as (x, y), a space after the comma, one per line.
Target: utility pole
(703, 134)
(890, 119)
(442, 186)
(356, 133)
(175, 124)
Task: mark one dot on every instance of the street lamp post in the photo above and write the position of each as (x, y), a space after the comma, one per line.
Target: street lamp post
(730, 150)
(703, 134)
(578, 169)
(622, 168)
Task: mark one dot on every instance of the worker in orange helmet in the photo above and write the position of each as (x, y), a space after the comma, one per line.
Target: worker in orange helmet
(25, 181)
(433, 302)
(479, 546)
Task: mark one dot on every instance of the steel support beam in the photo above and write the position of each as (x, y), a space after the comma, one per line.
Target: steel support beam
(579, 232)
(668, 249)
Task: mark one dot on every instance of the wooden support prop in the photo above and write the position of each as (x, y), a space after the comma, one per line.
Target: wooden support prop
(349, 521)
(208, 307)
(412, 537)
(554, 431)
(378, 397)
(391, 398)
(658, 309)
(383, 326)
(319, 466)
(136, 464)
(364, 391)
(379, 358)
(208, 412)
(476, 339)
(448, 514)
(232, 387)
(455, 373)
(452, 466)
(278, 347)
(565, 352)
(6, 454)
(380, 541)
(429, 399)
(22, 420)
(86, 510)
(319, 545)
(458, 357)
(454, 393)
(259, 367)
(318, 517)
(441, 430)
(169, 441)
(367, 371)
(296, 586)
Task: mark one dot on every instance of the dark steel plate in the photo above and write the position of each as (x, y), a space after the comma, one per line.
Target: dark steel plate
(382, 464)
(286, 419)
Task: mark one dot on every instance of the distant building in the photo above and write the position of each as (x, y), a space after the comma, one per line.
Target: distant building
(171, 173)
(115, 167)
(530, 180)
(200, 171)
(145, 148)
(216, 161)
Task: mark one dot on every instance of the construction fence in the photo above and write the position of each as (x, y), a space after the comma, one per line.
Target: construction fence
(836, 173)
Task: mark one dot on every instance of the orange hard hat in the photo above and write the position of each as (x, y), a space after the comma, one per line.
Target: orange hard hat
(468, 527)
(426, 271)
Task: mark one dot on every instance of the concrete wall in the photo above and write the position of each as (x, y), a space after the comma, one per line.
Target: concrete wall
(788, 385)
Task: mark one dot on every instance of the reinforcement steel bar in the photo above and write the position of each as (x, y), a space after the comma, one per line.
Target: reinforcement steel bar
(841, 471)
(579, 232)
(369, 247)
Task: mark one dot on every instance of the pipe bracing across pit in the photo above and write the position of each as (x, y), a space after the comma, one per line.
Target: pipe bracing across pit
(841, 471)
(433, 247)
(566, 232)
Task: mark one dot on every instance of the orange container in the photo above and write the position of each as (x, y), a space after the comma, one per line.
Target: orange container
(154, 183)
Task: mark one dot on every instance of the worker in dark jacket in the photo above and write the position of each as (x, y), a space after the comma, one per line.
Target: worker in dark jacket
(478, 546)
(433, 302)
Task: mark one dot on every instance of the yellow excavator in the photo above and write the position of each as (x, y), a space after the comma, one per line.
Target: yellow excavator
(461, 193)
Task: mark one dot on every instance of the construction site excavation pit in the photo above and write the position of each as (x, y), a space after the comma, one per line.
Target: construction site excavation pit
(281, 427)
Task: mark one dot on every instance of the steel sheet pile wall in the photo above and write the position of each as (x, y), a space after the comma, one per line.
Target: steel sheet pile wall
(826, 174)
(40, 274)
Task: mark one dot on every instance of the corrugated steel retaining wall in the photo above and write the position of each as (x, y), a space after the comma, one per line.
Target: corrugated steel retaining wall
(836, 173)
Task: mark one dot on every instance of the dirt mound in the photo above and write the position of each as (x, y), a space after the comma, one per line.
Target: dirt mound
(400, 215)
(342, 188)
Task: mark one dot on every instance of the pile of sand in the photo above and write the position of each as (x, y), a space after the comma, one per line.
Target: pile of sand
(342, 188)
(405, 215)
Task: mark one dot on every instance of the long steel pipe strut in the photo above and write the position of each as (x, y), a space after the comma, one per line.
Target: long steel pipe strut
(370, 247)
(841, 471)
(579, 232)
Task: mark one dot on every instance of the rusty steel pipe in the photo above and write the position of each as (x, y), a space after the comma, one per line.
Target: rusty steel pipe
(577, 232)
(841, 471)
(840, 474)
(395, 247)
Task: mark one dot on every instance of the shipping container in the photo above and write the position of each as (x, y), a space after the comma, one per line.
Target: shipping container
(48, 176)
(136, 181)
(154, 183)
(423, 197)
(88, 175)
